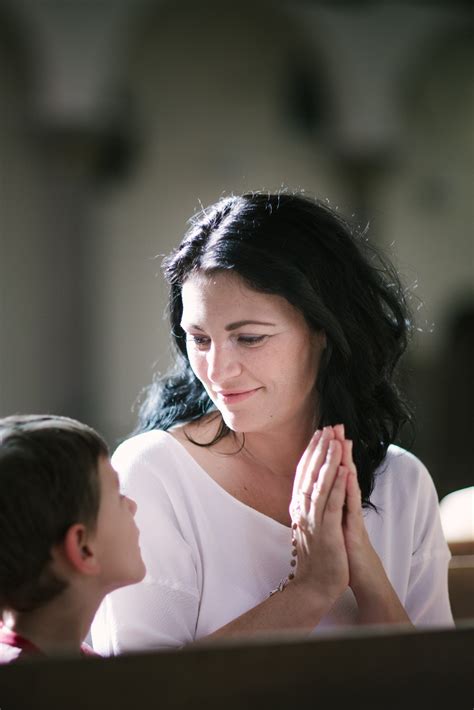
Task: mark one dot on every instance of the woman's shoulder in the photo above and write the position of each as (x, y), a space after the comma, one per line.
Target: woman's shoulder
(149, 455)
(148, 444)
(406, 502)
(403, 477)
(403, 464)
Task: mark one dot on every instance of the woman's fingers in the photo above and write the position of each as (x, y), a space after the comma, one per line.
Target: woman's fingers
(298, 503)
(353, 494)
(347, 459)
(315, 461)
(318, 459)
(301, 468)
(335, 503)
(323, 486)
(339, 433)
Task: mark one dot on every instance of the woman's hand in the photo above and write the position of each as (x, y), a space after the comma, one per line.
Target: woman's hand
(317, 505)
(361, 554)
(374, 593)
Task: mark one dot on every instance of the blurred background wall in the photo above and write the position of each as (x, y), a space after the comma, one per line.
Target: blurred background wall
(120, 117)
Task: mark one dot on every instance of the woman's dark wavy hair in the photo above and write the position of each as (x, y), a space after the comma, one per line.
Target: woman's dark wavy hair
(298, 248)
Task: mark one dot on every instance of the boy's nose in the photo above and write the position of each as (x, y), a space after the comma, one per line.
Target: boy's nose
(132, 505)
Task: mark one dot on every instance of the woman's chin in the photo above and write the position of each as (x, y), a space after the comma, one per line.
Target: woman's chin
(241, 423)
(234, 422)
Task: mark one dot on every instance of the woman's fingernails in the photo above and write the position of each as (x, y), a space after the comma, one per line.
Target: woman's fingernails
(339, 430)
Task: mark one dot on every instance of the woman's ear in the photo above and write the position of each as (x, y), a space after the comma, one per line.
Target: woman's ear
(320, 340)
(79, 550)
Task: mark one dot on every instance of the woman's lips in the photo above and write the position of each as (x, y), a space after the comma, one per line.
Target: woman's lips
(234, 397)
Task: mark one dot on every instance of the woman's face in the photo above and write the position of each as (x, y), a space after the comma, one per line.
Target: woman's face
(253, 352)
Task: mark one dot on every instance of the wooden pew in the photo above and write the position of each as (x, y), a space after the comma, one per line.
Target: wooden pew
(457, 519)
(383, 668)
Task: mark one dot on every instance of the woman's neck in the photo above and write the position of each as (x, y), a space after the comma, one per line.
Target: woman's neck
(279, 451)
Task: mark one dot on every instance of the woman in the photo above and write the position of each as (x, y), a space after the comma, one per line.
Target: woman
(269, 495)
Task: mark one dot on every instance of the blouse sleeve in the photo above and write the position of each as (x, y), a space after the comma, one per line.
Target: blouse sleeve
(427, 601)
(161, 611)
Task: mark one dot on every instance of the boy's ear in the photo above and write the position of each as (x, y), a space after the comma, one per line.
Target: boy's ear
(79, 550)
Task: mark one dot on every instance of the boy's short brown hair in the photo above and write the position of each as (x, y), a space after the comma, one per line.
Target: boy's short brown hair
(48, 482)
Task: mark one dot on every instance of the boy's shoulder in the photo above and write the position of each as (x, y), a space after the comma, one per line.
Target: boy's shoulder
(14, 647)
(87, 650)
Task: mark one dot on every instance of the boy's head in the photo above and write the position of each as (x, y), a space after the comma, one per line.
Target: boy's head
(59, 491)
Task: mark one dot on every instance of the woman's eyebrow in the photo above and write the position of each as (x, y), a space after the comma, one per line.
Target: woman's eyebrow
(231, 326)
(240, 323)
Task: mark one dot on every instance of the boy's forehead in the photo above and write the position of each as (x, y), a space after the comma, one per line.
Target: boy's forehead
(107, 472)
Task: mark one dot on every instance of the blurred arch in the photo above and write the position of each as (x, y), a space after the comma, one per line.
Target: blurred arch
(424, 205)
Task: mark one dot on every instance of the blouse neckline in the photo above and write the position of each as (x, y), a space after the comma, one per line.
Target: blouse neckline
(248, 508)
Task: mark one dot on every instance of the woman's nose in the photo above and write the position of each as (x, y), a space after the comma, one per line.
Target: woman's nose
(222, 363)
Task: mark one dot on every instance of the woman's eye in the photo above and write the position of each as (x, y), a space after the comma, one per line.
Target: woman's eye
(250, 340)
(200, 341)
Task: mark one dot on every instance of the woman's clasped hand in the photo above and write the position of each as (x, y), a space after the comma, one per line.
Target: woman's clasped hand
(317, 512)
(333, 548)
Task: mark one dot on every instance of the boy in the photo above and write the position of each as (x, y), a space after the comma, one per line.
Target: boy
(67, 535)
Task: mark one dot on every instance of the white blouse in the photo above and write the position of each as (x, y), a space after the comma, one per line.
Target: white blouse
(210, 557)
